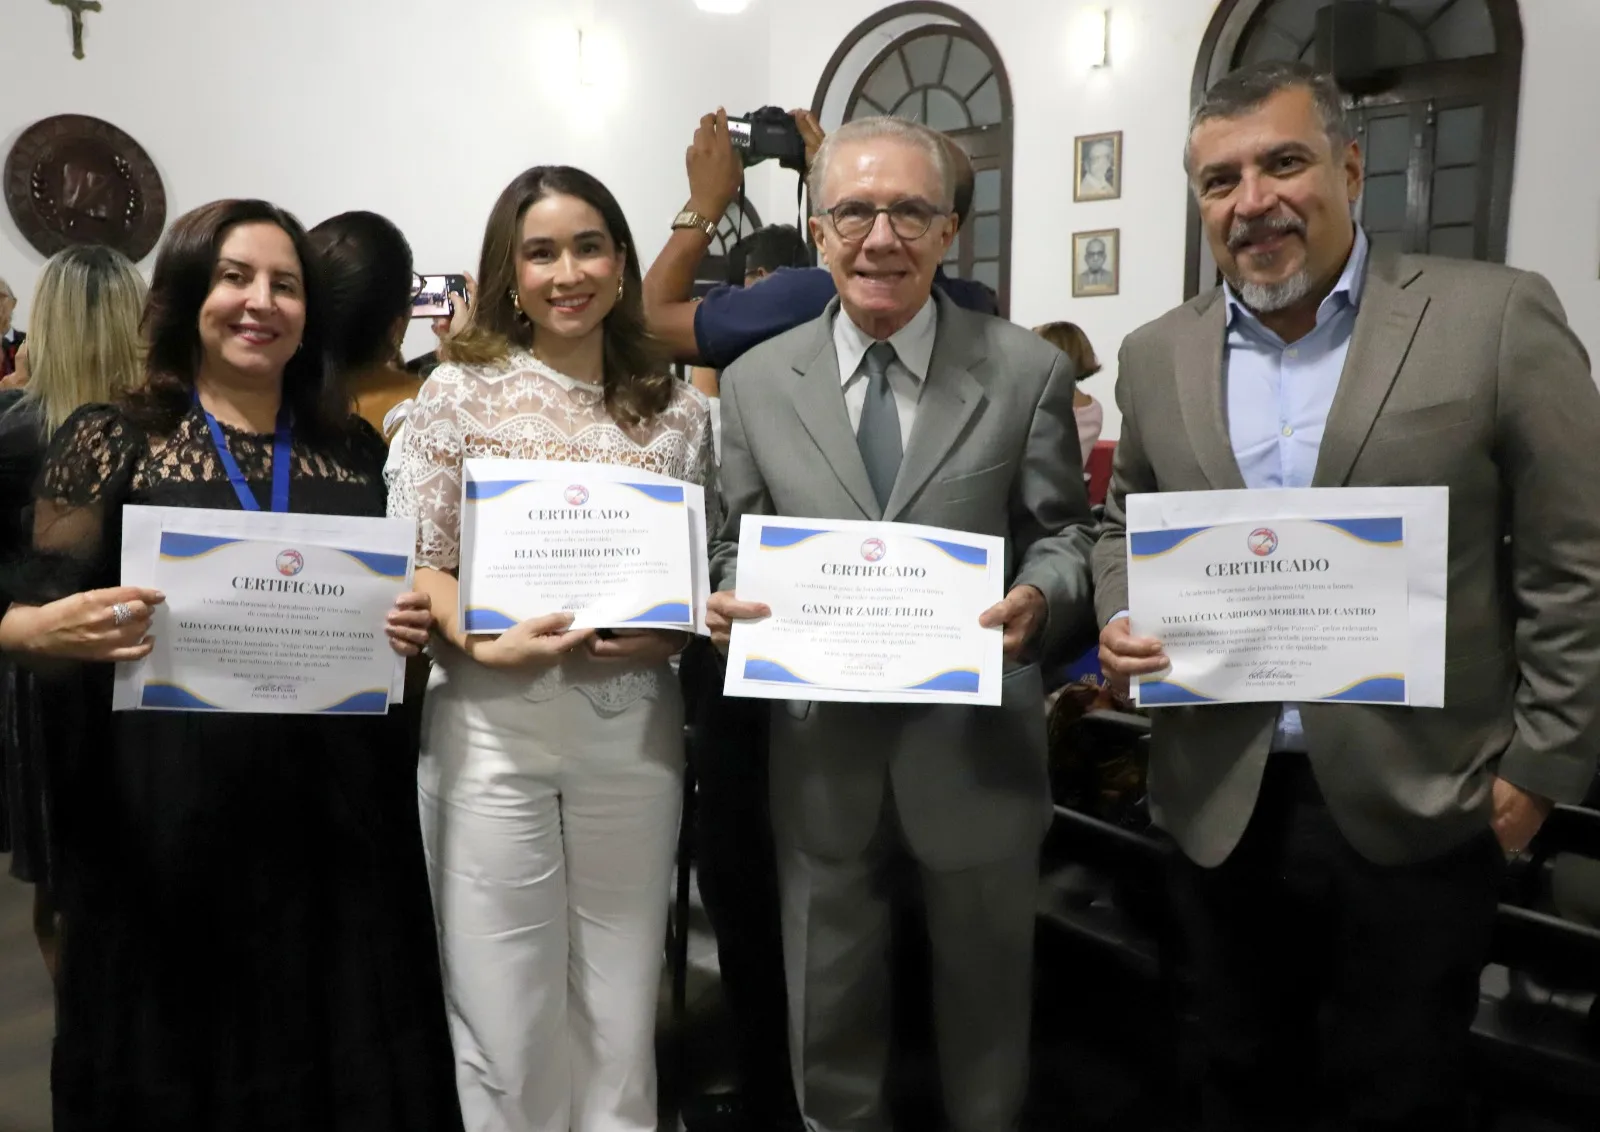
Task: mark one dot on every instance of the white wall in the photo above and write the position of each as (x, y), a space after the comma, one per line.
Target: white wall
(1555, 202)
(417, 109)
(1555, 222)
(423, 111)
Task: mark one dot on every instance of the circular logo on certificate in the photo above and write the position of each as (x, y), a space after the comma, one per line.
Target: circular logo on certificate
(873, 549)
(1263, 541)
(290, 563)
(577, 495)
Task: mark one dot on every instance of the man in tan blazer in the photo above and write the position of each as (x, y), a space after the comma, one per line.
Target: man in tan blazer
(1337, 884)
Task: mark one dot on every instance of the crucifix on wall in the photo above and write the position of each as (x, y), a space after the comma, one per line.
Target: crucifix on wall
(78, 8)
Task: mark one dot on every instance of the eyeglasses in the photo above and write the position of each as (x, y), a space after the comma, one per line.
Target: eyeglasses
(417, 284)
(910, 219)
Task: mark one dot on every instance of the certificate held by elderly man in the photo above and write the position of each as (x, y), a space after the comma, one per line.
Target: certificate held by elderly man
(613, 546)
(1319, 594)
(265, 612)
(867, 612)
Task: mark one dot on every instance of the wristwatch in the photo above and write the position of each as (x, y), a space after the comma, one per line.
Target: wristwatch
(689, 218)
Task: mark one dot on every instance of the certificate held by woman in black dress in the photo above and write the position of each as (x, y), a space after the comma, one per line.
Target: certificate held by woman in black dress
(265, 612)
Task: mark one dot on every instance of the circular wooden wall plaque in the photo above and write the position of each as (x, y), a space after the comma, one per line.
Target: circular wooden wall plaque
(73, 179)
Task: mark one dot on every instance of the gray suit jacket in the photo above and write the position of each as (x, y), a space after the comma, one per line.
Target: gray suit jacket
(1459, 374)
(994, 451)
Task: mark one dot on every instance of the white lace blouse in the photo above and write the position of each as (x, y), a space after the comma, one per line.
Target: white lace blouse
(521, 409)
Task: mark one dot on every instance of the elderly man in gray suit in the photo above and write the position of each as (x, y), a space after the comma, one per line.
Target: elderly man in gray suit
(1338, 880)
(897, 405)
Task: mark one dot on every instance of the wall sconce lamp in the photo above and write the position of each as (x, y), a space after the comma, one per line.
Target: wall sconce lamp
(586, 62)
(1103, 25)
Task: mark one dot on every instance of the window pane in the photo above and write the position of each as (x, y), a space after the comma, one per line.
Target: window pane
(926, 58)
(1269, 43)
(888, 83)
(986, 237)
(944, 112)
(1463, 31)
(909, 107)
(1296, 18)
(967, 65)
(987, 272)
(866, 108)
(986, 193)
(1388, 143)
(1383, 204)
(985, 105)
(1459, 133)
(1460, 242)
(1455, 196)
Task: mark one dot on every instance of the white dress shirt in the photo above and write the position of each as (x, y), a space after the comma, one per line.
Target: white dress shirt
(913, 348)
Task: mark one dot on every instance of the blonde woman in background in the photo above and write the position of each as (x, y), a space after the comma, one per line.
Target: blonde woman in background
(1070, 339)
(84, 346)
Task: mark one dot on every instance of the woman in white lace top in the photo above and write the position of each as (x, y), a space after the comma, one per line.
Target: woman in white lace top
(551, 773)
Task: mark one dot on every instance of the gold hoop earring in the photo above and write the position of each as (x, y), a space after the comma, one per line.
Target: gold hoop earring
(516, 305)
(621, 285)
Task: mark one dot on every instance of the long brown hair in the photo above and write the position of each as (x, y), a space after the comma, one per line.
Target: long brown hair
(182, 280)
(637, 384)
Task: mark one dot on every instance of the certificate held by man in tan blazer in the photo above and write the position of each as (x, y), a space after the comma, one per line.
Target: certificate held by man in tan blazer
(897, 405)
(1338, 879)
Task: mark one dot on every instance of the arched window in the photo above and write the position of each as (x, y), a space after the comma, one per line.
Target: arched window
(739, 221)
(1438, 141)
(931, 63)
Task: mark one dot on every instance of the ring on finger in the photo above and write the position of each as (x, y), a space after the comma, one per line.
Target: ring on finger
(121, 614)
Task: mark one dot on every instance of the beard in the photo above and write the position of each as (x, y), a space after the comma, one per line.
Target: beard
(1266, 298)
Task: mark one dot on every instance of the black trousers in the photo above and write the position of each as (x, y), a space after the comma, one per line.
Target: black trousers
(1333, 993)
(738, 876)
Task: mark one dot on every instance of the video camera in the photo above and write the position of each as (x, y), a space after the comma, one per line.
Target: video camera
(768, 133)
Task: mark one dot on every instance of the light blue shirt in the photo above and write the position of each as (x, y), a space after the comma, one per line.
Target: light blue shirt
(1279, 395)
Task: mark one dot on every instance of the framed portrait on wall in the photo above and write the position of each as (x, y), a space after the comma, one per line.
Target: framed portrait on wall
(1097, 167)
(1095, 261)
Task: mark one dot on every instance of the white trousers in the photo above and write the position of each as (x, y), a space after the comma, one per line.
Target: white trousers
(550, 832)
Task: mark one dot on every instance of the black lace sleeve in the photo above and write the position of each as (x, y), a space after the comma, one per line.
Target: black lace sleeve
(85, 479)
(88, 455)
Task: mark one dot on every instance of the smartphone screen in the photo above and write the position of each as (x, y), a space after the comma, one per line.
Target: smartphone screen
(433, 301)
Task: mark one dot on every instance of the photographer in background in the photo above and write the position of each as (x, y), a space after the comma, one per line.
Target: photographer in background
(754, 258)
(714, 331)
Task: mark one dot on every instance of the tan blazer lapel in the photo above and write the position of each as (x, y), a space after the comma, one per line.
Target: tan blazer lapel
(950, 396)
(1384, 328)
(818, 398)
(1202, 395)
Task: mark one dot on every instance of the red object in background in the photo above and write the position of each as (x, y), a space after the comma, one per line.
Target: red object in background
(1099, 469)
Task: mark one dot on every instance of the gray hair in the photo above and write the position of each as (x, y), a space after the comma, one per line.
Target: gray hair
(1237, 94)
(885, 128)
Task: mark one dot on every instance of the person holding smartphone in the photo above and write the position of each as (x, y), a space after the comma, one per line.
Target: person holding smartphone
(550, 780)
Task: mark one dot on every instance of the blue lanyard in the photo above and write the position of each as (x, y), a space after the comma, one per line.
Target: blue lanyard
(280, 461)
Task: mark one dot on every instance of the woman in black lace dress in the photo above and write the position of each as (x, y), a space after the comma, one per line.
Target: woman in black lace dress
(249, 942)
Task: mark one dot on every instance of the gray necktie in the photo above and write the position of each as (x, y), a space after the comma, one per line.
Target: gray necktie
(878, 435)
